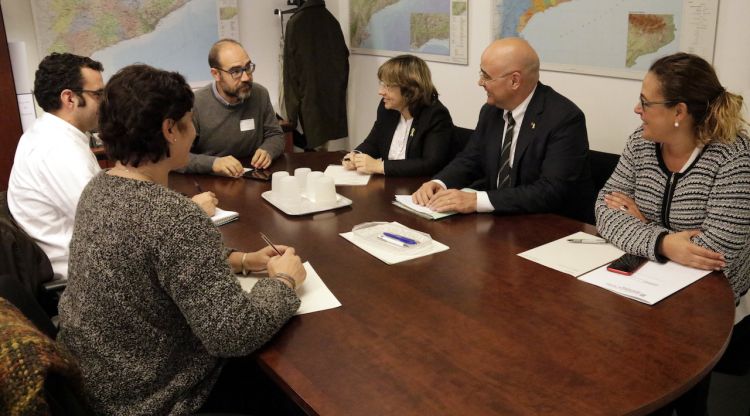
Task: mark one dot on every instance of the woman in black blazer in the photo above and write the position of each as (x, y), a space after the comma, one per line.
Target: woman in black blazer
(412, 133)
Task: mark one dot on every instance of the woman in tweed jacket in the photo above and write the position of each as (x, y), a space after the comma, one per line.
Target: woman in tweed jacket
(152, 310)
(681, 189)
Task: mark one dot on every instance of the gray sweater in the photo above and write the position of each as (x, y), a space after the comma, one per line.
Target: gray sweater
(711, 195)
(151, 304)
(233, 130)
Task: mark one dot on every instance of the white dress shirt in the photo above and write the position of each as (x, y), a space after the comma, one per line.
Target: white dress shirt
(400, 139)
(52, 165)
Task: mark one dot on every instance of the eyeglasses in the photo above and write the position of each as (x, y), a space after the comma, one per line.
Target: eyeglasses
(485, 78)
(96, 93)
(646, 104)
(386, 86)
(236, 72)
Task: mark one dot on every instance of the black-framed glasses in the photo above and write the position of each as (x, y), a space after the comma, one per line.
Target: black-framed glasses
(98, 94)
(646, 104)
(485, 78)
(236, 72)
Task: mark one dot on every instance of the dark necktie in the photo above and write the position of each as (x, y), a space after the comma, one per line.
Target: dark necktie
(503, 174)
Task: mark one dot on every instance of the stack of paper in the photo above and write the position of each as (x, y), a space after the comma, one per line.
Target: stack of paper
(222, 217)
(405, 202)
(313, 293)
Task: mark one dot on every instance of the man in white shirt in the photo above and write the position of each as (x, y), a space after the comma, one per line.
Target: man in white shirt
(53, 161)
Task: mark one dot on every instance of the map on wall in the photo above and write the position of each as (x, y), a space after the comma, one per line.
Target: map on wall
(435, 30)
(168, 34)
(619, 38)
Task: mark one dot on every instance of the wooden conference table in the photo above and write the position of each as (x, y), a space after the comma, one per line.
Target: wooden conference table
(473, 330)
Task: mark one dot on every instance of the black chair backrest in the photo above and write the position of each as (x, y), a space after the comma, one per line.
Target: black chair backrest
(459, 140)
(602, 165)
(23, 259)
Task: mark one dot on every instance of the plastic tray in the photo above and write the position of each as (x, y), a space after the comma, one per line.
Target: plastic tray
(306, 206)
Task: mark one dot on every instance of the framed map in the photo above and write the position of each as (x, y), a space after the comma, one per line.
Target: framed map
(434, 30)
(168, 34)
(618, 38)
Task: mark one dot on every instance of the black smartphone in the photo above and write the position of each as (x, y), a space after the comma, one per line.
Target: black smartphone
(257, 174)
(627, 264)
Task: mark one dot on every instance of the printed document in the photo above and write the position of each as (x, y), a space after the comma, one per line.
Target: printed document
(405, 202)
(650, 284)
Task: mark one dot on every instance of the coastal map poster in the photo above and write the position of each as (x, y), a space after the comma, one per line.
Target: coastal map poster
(168, 34)
(618, 38)
(434, 30)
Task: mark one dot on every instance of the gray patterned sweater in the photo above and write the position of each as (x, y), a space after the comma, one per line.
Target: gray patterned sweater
(711, 195)
(151, 305)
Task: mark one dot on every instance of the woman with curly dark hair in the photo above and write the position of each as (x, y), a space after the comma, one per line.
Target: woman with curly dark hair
(152, 310)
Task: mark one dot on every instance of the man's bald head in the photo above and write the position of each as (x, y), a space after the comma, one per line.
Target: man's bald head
(510, 67)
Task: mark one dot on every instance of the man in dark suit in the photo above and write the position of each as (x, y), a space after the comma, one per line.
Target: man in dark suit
(528, 153)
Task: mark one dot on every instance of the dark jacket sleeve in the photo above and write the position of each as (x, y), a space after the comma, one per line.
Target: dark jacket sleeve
(429, 148)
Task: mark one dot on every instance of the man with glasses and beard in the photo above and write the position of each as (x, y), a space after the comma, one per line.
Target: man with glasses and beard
(233, 117)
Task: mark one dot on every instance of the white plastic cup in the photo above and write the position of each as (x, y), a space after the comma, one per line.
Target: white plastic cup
(287, 191)
(310, 188)
(275, 178)
(324, 192)
(301, 175)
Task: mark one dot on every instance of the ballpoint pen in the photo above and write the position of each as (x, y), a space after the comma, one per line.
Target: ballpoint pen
(400, 238)
(268, 241)
(587, 240)
(392, 241)
(197, 186)
(346, 159)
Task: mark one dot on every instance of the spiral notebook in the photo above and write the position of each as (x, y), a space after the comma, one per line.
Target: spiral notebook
(222, 217)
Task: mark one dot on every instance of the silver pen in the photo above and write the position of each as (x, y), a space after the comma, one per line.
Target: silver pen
(587, 241)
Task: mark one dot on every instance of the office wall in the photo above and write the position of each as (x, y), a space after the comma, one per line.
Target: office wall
(607, 102)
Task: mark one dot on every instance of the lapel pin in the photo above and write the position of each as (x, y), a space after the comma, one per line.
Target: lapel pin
(412, 132)
(533, 125)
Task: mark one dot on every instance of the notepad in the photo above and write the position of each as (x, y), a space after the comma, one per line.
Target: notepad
(405, 202)
(222, 217)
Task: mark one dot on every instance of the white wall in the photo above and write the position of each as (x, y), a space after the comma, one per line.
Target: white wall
(607, 102)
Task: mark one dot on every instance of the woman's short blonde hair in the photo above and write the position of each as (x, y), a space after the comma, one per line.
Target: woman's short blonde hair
(413, 77)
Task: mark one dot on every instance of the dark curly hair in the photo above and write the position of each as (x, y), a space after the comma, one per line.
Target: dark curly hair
(58, 72)
(137, 100)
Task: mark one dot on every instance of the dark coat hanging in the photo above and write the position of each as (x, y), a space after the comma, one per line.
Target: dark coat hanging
(316, 73)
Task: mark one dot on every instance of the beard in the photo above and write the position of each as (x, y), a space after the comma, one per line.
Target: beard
(241, 91)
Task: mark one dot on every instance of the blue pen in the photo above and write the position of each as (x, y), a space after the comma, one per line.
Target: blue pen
(400, 238)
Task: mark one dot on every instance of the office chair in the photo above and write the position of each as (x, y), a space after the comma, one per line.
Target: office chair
(459, 139)
(602, 165)
(22, 258)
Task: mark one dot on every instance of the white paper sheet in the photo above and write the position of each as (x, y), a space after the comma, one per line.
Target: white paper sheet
(388, 256)
(573, 258)
(313, 293)
(650, 284)
(342, 176)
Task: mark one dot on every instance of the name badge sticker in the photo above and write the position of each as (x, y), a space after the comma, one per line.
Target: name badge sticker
(247, 124)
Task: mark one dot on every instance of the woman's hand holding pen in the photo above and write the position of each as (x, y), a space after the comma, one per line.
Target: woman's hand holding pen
(207, 201)
(348, 161)
(287, 268)
(367, 164)
(617, 200)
